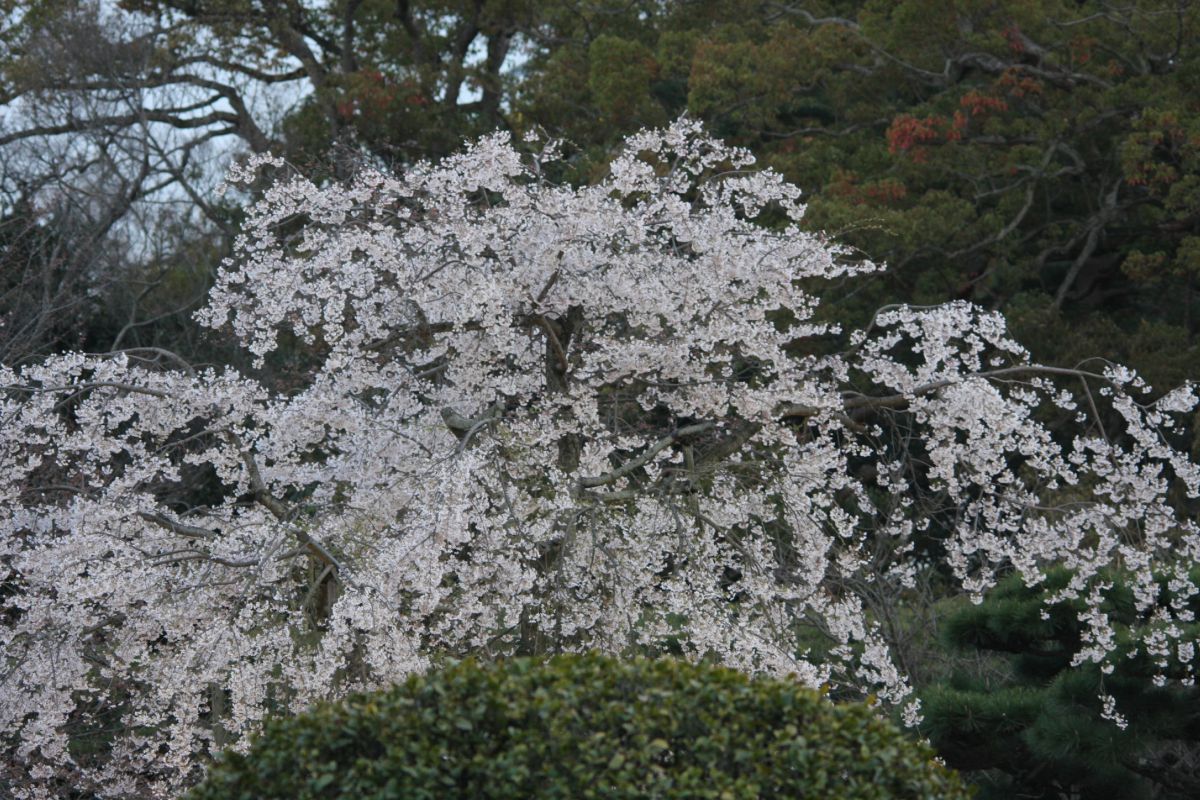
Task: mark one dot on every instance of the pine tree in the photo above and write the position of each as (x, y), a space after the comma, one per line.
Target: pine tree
(1027, 719)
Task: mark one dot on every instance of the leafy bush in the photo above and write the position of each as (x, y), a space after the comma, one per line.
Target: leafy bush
(583, 727)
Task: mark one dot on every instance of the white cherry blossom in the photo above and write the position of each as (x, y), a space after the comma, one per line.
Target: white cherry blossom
(542, 418)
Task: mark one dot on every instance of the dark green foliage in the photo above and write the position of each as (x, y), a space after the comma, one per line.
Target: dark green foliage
(1037, 156)
(1028, 724)
(583, 727)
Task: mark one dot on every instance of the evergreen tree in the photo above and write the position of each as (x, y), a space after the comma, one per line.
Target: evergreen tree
(1026, 718)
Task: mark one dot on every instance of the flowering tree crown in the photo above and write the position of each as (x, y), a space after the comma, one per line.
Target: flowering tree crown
(543, 418)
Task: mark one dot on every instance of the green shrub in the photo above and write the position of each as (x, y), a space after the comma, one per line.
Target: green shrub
(583, 727)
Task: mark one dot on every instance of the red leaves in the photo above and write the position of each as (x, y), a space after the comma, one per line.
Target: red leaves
(978, 103)
(909, 134)
(1018, 84)
(886, 192)
(959, 127)
(913, 135)
(373, 97)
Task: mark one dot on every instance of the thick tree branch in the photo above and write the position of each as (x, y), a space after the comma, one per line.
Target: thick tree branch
(590, 482)
(179, 528)
(280, 510)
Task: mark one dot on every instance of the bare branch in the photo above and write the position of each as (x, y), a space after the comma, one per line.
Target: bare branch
(179, 528)
(640, 461)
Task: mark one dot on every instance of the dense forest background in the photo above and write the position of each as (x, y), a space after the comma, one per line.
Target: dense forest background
(1039, 157)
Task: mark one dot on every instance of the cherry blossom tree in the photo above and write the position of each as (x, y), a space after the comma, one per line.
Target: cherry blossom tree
(541, 419)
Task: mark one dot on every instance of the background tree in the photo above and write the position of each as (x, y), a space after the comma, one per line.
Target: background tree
(44, 297)
(148, 100)
(1034, 157)
(1026, 720)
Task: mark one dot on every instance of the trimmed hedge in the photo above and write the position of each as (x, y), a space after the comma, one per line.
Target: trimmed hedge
(583, 727)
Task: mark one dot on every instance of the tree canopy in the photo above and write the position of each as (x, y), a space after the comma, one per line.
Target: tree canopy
(537, 419)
